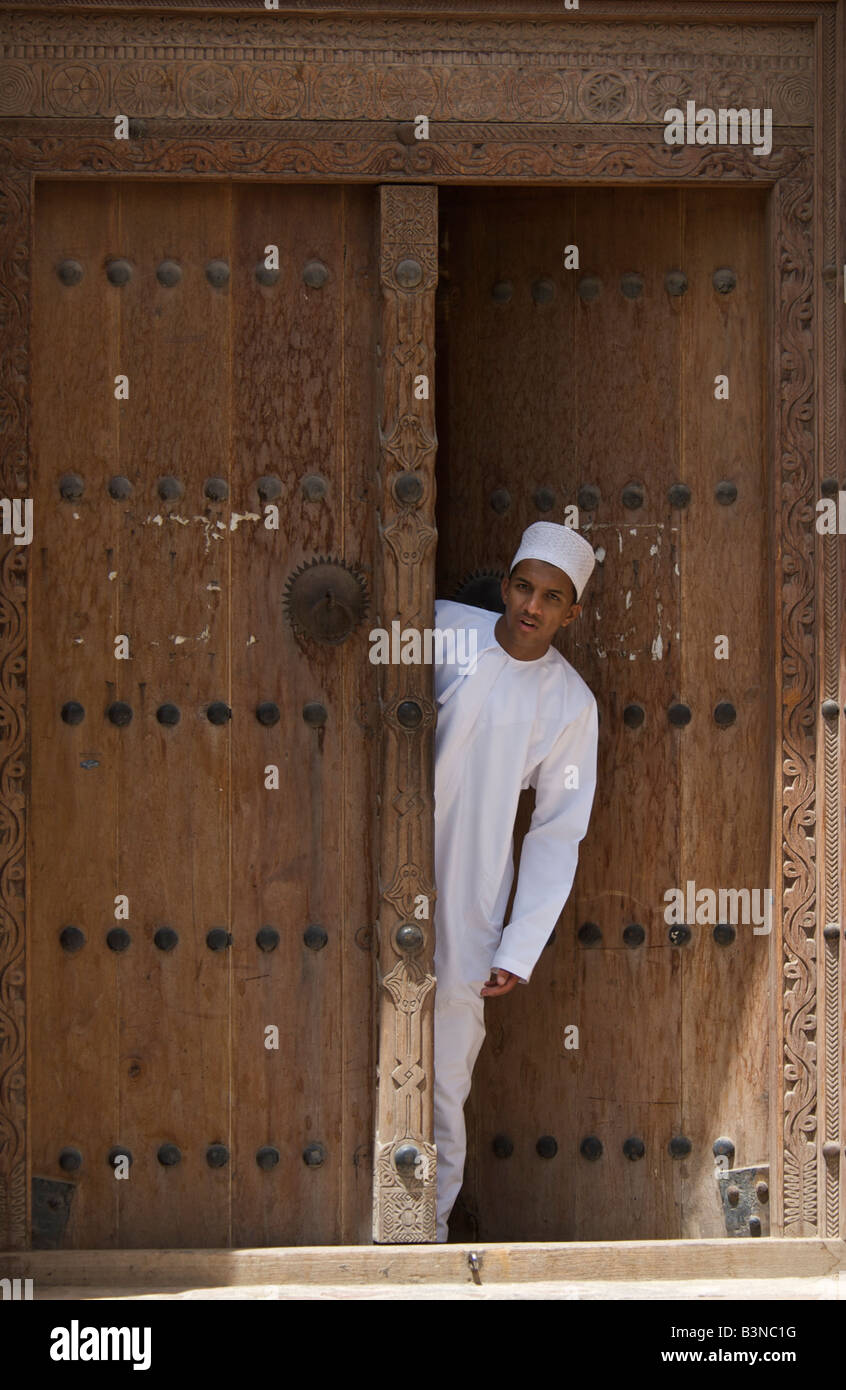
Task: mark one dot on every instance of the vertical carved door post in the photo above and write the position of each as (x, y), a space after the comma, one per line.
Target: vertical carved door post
(404, 1154)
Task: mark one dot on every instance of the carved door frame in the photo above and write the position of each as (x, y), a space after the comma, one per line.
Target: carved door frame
(554, 100)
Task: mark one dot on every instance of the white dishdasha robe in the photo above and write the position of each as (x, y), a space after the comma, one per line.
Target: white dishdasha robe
(504, 726)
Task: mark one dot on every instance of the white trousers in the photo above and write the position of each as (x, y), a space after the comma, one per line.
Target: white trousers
(459, 1034)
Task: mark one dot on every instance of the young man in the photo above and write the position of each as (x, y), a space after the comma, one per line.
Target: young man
(520, 716)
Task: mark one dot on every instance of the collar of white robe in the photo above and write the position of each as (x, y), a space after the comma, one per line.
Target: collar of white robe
(561, 546)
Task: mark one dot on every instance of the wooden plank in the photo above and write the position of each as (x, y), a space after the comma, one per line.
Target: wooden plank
(725, 773)
(174, 794)
(73, 852)
(300, 854)
(528, 1262)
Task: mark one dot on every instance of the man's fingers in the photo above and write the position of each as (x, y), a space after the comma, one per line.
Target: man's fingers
(505, 982)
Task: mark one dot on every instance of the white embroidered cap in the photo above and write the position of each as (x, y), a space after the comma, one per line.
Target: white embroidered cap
(561, 546)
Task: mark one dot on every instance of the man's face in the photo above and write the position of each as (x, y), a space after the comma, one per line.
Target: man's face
(539, 599)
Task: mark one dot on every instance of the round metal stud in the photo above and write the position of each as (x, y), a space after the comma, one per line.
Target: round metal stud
(754, 1225)
(830, 1150)
(71, 940)
(409, 273)
(325, 600)
(544, 499)
(269, 487)
(168, 273)
(830, 709)
(408, 488)
(725, 714)
(589, 498)
(73, 712)
(631, 284)
(405, 1159)
(632, 496)
(315, 274)
(315, 937)
(70, 1160)
(116, 1154)
(218, 939)
(267, 713)
(829, 487)
(679, 714)
(725, 493)
(724, 279)
(679, 1146)
(71, 487)
(589, 287)
(634, 934)
(118, 939)
(502, 1146)
(120, 713)
(169, 489)
(218, 712)
(679, 495)
(733, 1194)
(315, 487)
(217, 274)
(265, 275)
(409, 714)
(591, 1148)
(831, 932)
(723, 1148)
(267, 938)
(217, 1155)
(679, 934)
(589, 933)
(724, 933)
(500, 500)
(166, 939)
(315, 714)
(633, 716)
(169, 1155)
(410, 936)
(675, 282)
(267, 1157)
(120, 488)
(502, 291)
(216, 489)
(314, 1155)
(543, 290)
(70, 272)
(118, 272)
(634, 1149)
(168, 714)
(546, 1147)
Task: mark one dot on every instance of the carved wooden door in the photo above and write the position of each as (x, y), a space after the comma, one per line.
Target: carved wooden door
(630, 383)
(201, 851)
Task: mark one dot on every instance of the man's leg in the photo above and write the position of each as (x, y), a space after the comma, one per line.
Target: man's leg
(459, 1034)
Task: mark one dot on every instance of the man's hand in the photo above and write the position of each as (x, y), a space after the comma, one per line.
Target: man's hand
(504, 982)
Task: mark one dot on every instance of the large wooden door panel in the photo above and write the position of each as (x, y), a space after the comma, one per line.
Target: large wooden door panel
(238, 817)
(596, 387)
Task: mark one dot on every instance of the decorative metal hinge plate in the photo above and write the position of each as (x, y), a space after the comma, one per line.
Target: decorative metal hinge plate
(745, 1195)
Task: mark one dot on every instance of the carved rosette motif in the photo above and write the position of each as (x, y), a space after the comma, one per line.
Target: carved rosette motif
(509, 100)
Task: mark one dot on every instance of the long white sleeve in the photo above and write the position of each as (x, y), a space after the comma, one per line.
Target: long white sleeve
(550, 850)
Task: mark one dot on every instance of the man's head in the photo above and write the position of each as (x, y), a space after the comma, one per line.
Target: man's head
(545, 582)
(539, 599)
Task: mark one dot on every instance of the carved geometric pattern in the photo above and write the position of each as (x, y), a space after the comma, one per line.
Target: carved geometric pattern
(795, 448)
(14, 480)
